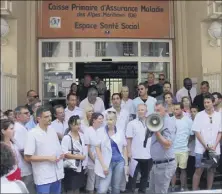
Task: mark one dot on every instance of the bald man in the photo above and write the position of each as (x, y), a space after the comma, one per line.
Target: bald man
(138, 146)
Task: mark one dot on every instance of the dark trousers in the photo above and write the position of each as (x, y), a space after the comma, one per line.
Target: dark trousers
(191, 167)
(144, 166)
(219, 168)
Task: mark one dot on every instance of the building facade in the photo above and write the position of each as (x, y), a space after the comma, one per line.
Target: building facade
(51, 44)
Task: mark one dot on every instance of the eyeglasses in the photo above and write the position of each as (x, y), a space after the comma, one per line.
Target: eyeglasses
(25, 113)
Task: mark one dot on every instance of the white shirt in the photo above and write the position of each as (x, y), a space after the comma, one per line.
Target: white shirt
(184, 92)
(91, 138)
(208, 131)
(20, 135)
(122, 118)
(105, 146)
(76, 111)
(127, 105)
(150, 103)
(12, 186)
(26, 168)
(67, 147)
(83, 126)
(59, 126)
(98, 106)
(137, 131)
(44, 143)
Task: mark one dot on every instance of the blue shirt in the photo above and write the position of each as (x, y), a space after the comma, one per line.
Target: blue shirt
(31, 124)
(183, 133)
(116, 155)
(157, 151)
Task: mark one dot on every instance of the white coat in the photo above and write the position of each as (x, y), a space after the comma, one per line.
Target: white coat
(106, 150)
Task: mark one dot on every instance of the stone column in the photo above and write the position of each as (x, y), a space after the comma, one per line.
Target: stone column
(180, 42)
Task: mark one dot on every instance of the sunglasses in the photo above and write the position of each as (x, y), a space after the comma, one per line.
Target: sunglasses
(36, 96)
(111, 112)
(161, 79)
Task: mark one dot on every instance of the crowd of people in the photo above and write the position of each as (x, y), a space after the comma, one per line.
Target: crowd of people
(92, 147)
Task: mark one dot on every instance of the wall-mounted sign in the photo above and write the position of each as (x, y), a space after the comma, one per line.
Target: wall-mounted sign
(99, 19)
(55, 22)
(108, 69)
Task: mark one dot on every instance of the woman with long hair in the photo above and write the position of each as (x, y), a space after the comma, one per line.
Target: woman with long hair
(73, 146)
(186, 105)
(7, 164)
(111, 160)
(22, 169)
(96, 122)
(168, 100)
(73, 88)
(87, 114)
(6, 135)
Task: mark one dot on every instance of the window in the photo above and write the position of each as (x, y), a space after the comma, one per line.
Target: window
(155, 49)
(116, 49)
(100, 49)
(156, 68)
(78, 49)
(128, 49)
(57, 49)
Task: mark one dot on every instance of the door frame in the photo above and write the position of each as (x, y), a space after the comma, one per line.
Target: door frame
(139, 59)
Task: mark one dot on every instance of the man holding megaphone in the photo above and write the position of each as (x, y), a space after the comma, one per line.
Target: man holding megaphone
(164, 164)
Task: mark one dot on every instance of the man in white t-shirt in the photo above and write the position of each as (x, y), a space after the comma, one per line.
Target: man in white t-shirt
(22, 116)
(144, 99)
(180, 144)
(207, 128)
(93, 100)
(44, 151)
(138, 145)
(59, 124)
(72, 108)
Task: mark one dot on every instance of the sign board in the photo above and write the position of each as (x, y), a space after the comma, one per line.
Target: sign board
(108, 70)
(102, 19)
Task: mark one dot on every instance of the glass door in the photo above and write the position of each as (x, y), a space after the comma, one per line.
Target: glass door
(58, 78)
(56, 70)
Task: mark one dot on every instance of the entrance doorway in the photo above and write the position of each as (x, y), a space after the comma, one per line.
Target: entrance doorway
(114, 74)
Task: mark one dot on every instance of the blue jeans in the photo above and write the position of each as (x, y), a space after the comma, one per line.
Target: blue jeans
(113, 179)
(51, 188)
